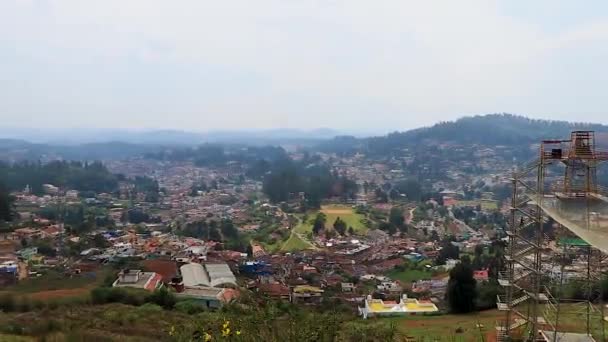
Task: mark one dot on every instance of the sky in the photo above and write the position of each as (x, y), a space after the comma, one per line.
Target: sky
(349, 65)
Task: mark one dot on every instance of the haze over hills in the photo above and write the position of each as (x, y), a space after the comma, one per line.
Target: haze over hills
(74, 136)
(492, 129)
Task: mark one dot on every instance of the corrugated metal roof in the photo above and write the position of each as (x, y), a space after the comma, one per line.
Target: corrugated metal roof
(212, 275)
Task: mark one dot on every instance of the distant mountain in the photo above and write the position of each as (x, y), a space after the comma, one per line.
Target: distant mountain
(168, 137)
(120, 144)
(490, 130)
(15, 150)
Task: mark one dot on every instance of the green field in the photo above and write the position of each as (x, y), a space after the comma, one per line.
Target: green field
(332, 212)
(409, 276)
(485, 205)
(295, 243)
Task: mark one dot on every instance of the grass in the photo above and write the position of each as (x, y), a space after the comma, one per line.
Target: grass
(52, 281)
(485, 204)
(53, 286)
(332, 212)
(16, 338)
(409, 276)
(444, 327)
(295, 243)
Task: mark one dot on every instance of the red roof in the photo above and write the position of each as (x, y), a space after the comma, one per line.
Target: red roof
(274, 290)
(153, 283)
(480, 275)
(229, 295)
(166, 268)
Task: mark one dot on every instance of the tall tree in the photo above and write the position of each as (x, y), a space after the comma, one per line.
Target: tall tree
(462, 289)
(6, 204)
(319, 223)
(340, 226)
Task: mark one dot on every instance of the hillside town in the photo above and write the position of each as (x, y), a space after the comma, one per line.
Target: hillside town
(210, 233)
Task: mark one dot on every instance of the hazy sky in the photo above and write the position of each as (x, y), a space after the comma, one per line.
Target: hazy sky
(365, 65)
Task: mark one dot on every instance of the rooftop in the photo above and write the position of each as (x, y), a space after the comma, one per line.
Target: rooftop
(210, 275)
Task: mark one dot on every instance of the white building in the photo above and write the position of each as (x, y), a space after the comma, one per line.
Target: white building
(209, 275)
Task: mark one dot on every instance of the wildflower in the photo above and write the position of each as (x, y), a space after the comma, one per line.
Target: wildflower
(238, 332)
(172, 331)
(206, 337)
(226, 332)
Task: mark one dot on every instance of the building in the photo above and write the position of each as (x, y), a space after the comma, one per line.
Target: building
(208, 275)
(405, 306)
(481, 275)
(347, 287)
(435, 287)
(274, 290)
(306, 294)
(208, 297)
(50, 189)
(71, 194)
(148, 281)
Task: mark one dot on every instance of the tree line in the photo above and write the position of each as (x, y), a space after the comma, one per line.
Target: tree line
(81, 176)
(286, 179)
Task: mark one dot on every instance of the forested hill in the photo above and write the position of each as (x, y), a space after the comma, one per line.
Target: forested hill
(491, 130)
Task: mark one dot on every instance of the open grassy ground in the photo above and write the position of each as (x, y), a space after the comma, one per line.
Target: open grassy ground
(409, 276)
(118, 322)
(345, 213)
(485, 205)
(54, 285)
(295, 243)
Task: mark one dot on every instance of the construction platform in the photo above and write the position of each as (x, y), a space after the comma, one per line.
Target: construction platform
(587, 216)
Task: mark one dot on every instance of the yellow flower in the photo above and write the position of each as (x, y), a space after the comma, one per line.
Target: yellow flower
(226, 324)
(226, 332)
(238, 332)
(207, 337)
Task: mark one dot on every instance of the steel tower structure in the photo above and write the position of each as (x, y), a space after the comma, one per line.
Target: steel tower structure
(533, 279)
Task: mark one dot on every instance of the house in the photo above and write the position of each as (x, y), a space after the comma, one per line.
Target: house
(306, 294)
(26, 234)
(208, 297)
(481, 275)
(348, 287)
(148, 281)
(257, 250)
(405, 306)
(9, 273)
(274, 290)
(166, 268)
(390, 286)
(208, 275)
(435, 287)
(51, 231)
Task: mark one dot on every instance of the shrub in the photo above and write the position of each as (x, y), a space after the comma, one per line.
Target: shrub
(149, 308)
(189, 307)
(7, 303)
(163, 298)
(103, 295)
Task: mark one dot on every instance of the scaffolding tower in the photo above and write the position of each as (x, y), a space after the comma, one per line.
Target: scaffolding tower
(560, 189)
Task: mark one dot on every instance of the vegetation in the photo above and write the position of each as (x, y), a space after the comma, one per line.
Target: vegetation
(492, 130)
(324, 220)
(462, 292)
(285, 179)
(73, 175)
(295, 243)
(410, 272)
(6, 204)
